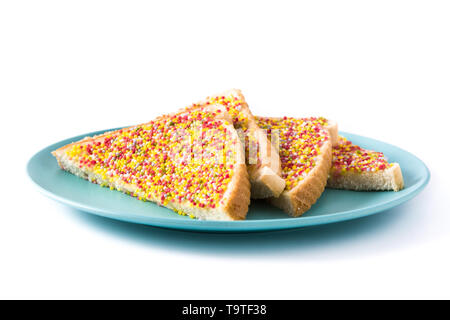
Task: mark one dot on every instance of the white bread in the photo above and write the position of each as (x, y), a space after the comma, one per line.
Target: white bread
(355, 168)
(263, 162)
(343, 176)
(305, 153)
(232, 201)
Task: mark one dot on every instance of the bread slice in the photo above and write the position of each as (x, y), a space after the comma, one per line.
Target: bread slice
(263, 162)
(191, 162)
(305, 154)
(355, 168)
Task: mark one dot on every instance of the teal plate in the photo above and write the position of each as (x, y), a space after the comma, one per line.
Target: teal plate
(333, 205)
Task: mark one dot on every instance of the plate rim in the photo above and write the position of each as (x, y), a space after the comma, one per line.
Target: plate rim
(271, 224)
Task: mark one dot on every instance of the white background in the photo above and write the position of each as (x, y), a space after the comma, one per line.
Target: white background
(380, 68)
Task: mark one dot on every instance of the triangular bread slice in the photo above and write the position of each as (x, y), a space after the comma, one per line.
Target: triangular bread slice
(191, 162)
(356, 168)
(263, 162)
(305, 154)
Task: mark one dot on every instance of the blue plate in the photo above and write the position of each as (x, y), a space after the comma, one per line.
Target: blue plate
(333, 205)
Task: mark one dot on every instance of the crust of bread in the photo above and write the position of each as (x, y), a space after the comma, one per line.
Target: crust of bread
(233, 205)
(300, 199)
(333, 131)
(237, 197)
(384, 180)
(265, 176)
